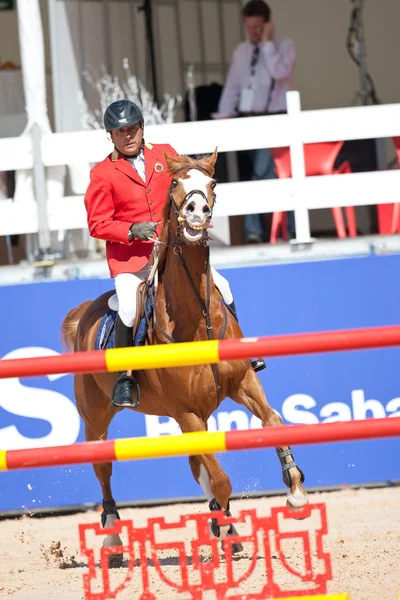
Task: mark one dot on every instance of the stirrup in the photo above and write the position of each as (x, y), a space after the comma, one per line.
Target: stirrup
(128, 403)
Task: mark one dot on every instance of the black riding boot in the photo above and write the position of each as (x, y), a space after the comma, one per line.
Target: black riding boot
(123, 390)
(258, 364)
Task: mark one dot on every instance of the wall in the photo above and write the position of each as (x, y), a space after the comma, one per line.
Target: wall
(325, 74)
(9, 46)
(271, 300)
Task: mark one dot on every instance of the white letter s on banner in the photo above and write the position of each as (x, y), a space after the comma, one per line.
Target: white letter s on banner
(36, 403)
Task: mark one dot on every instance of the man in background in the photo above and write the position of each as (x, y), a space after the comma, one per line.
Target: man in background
(260, 74)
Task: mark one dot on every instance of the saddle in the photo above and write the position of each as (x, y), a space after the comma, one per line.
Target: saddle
(143, 320)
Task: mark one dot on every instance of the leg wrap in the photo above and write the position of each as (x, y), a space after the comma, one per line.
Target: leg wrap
(282, 454)
(215, 528)
(109, 508)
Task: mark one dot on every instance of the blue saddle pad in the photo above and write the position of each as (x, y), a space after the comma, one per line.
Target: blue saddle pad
(106, 331)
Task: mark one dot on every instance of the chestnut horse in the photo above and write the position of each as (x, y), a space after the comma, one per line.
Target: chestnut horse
(188, 308)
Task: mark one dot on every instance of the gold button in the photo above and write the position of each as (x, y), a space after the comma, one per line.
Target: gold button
(147, 191)
(150, 202)
(154, 214)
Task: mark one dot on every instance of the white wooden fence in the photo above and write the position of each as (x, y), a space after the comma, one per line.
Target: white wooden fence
(300, 193)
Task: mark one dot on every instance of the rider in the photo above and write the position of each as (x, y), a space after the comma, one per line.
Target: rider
(124, 202)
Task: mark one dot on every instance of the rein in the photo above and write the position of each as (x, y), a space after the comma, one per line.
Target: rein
(204, 304)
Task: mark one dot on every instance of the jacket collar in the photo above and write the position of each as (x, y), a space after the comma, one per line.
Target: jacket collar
(124, 165)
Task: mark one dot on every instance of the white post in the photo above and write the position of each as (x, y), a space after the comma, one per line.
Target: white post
(302, 221)
(40, 187)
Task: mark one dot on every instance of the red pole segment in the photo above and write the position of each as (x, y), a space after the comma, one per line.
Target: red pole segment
(89, 452)
(313, 434)
(77, 362)
(307, 343)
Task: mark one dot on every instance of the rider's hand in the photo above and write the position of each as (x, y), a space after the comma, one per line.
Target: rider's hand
(143, 231)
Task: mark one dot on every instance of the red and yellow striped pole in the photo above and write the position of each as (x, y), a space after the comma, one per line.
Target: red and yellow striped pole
(198, 353)
(197, 443)
(324, 597)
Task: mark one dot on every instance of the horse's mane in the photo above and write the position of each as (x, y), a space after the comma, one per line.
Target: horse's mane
(175, 163)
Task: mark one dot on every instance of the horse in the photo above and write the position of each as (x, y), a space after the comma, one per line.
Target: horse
(187, 307)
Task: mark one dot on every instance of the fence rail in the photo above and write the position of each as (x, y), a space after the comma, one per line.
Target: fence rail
(200, 353)
(189, 444)
(300, 193)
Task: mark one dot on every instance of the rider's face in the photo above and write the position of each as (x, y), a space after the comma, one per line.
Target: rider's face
(128, 139)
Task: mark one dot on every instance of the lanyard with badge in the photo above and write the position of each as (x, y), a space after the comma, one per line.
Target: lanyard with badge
(247, 93)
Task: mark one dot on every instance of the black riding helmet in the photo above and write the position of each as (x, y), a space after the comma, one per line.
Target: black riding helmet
(121, 114)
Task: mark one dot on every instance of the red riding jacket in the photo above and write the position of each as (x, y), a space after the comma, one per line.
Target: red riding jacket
(117, 197)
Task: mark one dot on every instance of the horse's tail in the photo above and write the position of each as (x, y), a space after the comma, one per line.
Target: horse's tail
(70, 324)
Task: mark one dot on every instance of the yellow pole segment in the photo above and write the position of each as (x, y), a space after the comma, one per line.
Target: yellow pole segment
(3, 460)
(188, 443)
(324, 597)
(166, 355)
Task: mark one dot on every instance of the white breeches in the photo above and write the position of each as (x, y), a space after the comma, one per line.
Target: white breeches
(223, 286)
(126, 285)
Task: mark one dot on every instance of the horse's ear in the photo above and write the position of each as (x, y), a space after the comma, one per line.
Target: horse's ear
(211, 159)
(173, 162)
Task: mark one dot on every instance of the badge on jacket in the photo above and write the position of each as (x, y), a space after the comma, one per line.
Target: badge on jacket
(158, 167)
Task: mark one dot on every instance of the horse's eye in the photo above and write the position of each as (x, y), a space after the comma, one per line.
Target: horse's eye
(214, 183)
(174, 183)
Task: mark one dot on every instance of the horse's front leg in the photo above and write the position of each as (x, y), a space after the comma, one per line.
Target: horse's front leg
(95, 409)
(249, 393)
(213, 480)
(217, 494)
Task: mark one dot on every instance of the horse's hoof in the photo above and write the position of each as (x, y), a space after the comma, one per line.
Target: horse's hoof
(115, 561)
(298, 512)
(236, 547)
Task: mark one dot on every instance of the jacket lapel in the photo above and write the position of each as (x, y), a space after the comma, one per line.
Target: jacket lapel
(125, 166)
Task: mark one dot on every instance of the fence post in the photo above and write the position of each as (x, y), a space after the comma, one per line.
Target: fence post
(40, 187)
(302, 221)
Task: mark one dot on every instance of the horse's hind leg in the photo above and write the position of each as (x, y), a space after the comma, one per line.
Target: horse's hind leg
(96, 410)
(212, 478)
(250, 394)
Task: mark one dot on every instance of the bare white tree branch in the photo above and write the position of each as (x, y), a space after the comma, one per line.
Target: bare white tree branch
(110, 89)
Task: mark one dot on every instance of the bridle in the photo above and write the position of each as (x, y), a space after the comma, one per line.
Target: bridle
(178, 209)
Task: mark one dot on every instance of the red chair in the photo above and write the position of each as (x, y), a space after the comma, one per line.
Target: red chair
(320, 159)
(396, 208)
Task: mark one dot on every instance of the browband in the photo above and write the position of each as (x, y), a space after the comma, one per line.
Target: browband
(192, 167)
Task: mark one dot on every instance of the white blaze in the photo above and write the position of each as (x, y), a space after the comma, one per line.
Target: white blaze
(196, 180)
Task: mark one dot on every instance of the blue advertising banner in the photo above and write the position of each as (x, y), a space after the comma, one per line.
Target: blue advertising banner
(271, 300)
